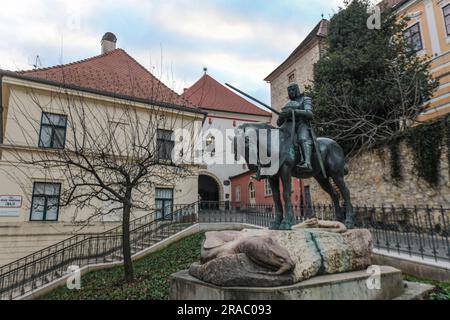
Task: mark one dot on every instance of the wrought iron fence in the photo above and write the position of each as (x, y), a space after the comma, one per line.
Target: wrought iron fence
(417, 231)
(44, 266)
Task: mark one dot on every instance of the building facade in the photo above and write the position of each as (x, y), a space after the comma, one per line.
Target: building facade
(226, 111)
(36, 112)
(299, 66)
(246, 190)
(428, 32)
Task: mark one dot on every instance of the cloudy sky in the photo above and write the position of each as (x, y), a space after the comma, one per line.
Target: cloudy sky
(239, 41)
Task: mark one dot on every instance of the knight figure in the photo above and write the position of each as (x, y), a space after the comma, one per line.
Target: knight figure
(299, 111)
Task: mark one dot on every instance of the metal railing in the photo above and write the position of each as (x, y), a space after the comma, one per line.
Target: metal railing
(417, 231)
(33, 271)
(422, 232)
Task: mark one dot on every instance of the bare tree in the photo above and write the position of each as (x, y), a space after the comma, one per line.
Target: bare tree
(109, 157)
(364, 128)
(371, 84)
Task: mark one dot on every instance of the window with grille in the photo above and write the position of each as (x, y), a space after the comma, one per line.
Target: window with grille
(446, 10)
(165, 144)
(45, 201)
(413, 37)
(53, 131)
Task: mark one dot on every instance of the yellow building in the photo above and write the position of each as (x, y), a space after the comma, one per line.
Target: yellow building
(39, 107)
(429, 34)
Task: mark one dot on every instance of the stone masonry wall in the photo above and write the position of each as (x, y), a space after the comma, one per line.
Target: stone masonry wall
(303, 70)
(370, 182)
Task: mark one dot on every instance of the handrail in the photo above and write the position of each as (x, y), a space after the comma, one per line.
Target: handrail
(24, 274)
(75, 238)
(417, 231)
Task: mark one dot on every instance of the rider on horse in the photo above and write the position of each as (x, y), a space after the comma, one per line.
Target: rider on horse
(299, 108)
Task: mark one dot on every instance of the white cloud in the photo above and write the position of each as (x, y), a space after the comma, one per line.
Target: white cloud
(49, 27)
(243, 71)
(206, 22)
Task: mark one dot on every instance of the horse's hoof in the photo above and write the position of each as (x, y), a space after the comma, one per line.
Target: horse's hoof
(275, 226)
(286, 226)
(350, 224)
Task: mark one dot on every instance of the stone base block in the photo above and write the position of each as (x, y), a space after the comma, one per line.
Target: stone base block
(344, 286)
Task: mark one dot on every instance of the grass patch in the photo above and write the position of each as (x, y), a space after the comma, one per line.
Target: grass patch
(152, 276)
(441, 292)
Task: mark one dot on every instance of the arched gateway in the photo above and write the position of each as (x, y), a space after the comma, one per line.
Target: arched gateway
(209, 188)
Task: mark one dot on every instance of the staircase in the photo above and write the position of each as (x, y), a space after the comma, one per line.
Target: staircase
(44, 266)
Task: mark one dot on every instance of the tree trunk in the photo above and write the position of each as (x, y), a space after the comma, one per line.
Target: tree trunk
(126, 246)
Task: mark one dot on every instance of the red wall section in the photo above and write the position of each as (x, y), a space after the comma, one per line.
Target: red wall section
(244, 180)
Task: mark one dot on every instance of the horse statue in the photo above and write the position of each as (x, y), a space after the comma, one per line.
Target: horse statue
(323, 162)
(334, 164)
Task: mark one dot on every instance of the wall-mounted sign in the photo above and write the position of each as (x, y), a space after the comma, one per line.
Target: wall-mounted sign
(10, 205)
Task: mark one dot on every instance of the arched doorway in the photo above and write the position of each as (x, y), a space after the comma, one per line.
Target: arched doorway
(208, 189)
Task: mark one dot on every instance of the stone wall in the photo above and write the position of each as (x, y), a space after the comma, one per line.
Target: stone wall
(370, 182)
(303, 69)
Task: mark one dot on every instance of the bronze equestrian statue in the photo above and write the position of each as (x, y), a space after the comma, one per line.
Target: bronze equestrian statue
(303, 156)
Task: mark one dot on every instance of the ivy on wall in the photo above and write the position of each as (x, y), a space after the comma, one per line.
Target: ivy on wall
(395, 161)
(426, 142)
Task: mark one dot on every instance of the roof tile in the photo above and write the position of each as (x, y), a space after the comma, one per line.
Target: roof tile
(115, 72)
(209, 94)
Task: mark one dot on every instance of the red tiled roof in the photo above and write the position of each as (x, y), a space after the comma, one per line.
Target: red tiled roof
(113, 73)
(209, 94)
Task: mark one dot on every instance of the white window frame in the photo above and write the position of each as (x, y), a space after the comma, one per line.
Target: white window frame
(251, 192)
(267, 188)
(238, 194)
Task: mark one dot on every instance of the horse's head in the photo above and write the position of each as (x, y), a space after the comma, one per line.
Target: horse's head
(244, 136)
(246, 142)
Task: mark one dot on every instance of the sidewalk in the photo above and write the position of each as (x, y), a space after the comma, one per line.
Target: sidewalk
(440, 263)
(414, 265)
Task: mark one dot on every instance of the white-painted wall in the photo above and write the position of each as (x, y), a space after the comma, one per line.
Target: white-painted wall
(222, 121)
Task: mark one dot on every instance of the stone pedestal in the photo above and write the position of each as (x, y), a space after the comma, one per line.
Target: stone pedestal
(343, 286)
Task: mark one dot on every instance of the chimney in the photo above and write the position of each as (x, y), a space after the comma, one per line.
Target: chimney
(109, 41)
